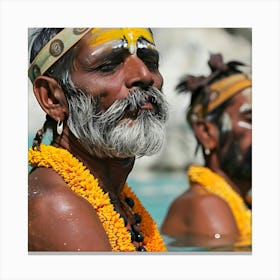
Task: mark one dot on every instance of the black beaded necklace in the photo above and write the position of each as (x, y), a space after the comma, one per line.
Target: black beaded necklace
(136, 235)
(132, 228)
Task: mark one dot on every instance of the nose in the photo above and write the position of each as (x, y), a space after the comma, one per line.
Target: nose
(137, 73)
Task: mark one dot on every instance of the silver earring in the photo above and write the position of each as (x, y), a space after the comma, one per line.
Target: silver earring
(207, 151)
(59, 127)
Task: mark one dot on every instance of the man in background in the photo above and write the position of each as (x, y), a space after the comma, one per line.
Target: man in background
(215, 209)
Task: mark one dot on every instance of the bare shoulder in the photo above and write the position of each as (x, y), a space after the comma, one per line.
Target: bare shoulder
(60, 220)
(198, 211)
(175, 222)
(185, 202)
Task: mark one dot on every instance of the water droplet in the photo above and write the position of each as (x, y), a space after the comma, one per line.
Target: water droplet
(217, 236)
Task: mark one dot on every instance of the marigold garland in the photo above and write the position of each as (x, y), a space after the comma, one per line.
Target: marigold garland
(215, 184)
(82, 182)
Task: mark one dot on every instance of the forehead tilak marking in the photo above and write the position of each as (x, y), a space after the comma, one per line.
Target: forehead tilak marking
(131, 36)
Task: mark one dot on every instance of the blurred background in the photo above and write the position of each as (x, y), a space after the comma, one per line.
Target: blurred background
(158, 179)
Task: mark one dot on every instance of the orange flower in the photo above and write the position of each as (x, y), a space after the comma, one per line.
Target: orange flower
(82, 182)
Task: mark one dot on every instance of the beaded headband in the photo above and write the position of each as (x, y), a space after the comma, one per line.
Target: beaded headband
(222, 90)
(55, 49)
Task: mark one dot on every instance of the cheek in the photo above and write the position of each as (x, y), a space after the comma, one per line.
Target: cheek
(244, 139)
(246, 142)
(109, 91)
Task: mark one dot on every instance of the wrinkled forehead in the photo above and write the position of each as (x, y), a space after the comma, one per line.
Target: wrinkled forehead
(130, 38)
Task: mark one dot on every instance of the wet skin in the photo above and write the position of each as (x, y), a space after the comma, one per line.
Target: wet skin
(112, 73)
(59, 220)
(196, 216)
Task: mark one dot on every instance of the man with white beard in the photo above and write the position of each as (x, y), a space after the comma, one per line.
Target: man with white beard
(101, 91)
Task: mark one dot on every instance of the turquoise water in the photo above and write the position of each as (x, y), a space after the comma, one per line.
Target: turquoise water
(156, 191)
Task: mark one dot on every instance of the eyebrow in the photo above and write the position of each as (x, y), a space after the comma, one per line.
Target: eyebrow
(107, 54)
(115, 52)
(122, 51)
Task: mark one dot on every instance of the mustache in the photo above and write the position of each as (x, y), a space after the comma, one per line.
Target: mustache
(133, 102)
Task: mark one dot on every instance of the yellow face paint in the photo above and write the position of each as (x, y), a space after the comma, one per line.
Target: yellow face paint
(132, 38)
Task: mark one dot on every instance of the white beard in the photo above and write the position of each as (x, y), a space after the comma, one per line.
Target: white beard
(109, 135)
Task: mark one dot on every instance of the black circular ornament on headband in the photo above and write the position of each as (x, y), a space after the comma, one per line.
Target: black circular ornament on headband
(56, 47)
(78, 31)
(36, 71)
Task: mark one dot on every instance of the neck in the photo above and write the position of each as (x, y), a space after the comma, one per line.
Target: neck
(111, 173)
(241, 186)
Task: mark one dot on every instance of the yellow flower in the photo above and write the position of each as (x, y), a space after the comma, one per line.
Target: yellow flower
(82, 182)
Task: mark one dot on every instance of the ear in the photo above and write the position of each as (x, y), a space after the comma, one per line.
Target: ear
(51, 97)
(206, 133)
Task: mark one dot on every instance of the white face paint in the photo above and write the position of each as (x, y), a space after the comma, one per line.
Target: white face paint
(226, 122)
(246, 108)
(244, 125)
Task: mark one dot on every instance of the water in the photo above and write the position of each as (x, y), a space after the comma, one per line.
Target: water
(156, 191)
